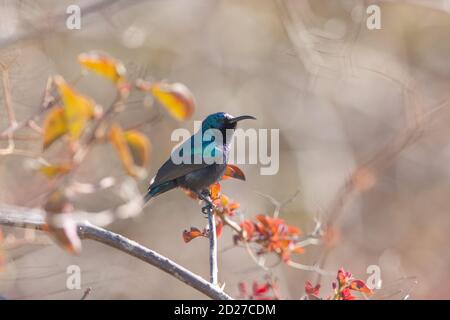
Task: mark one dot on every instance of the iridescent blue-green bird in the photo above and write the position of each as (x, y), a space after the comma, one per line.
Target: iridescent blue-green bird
(198, 176)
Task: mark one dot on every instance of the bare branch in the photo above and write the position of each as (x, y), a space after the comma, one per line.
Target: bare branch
(233, 225)
(33, 219)
(58, 21)
(279, 205)
(315, 268)
(213, 269)
(7, 96)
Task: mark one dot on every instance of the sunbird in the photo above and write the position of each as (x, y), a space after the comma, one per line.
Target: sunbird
(202, 168)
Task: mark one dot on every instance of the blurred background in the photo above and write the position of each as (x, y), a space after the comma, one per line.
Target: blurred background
(363, 136)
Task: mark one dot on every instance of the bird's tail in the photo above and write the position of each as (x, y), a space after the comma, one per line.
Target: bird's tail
(157, 190)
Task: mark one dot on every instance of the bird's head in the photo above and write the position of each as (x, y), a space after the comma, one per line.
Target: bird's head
(222, 121)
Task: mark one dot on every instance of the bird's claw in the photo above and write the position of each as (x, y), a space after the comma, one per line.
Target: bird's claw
(207, 210)
(206, 193)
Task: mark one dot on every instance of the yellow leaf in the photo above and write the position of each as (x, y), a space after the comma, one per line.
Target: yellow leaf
(176, 97)
(77, 108)
(104, 65)
(117, 138)
(139, 147)
(54, 126)
(52, 171)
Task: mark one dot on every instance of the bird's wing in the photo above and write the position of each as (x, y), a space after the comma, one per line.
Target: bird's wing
(171, 171)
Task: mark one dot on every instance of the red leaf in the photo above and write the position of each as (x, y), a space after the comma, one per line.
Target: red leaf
(294, 230)
(261, 289)
(219, 226)
(347, 295)
(310, 290)
(265, 220)
(192, 234)
(248, 227)
(359, 285)
(343, 277)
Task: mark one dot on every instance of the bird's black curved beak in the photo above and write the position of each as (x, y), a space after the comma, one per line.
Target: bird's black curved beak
(236, 119)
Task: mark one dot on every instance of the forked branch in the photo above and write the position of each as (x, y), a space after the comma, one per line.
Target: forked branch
(33, 219)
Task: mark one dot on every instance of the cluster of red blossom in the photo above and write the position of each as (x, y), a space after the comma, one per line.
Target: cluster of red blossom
(343, 288)
(273, 235)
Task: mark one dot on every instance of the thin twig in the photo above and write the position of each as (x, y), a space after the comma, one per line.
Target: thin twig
(7, 96)
(86, 293)
(33, 219)
(279, 205)
(213, 269)
(315, 268)
(233, 225)
(256, 260)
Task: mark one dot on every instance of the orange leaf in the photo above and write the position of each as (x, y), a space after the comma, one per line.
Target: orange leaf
(359, 285)
(294, 230)
(54, 126)
(67, 236)
(215, 190)
(104, 65)
(60, 224)
(192, 234)
(175, 97)
(265, 220)
(132, 146)
(52, 171)
(234, 206)
(248, 228)
(139, 147)
(233, 171)
(117, 138)
(77, 108)
(298, 250)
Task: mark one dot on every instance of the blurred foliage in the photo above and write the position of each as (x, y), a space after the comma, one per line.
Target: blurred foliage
(363, 127)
